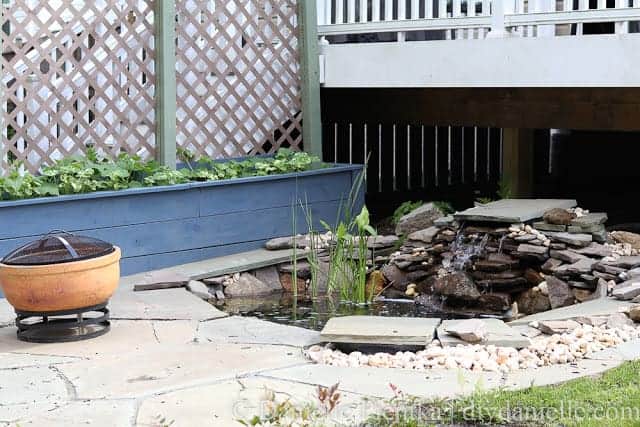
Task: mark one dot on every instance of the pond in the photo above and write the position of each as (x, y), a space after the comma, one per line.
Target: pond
(313, 313)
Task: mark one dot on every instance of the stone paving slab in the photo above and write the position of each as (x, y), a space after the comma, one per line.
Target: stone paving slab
(375, 381)
(170, 367)
(627, 351)
(164, 304)
(498, 334)
(124, 337)
(599, 307)
(249, 330)
(224, 403)
(175, 332)
(380, 330)
(513, 210)
(7, 315)
(228, 264)
(94, 413)
(18, 360)
(29, 391)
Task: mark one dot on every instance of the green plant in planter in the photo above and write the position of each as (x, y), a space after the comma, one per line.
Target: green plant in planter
(91, 172)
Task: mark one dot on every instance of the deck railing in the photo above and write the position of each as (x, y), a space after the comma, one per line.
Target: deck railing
(475, 19)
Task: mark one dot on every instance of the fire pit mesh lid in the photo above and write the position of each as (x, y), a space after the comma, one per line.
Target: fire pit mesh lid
(58, 247)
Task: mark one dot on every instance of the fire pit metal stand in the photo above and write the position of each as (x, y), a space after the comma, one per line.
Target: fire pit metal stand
(63, 329)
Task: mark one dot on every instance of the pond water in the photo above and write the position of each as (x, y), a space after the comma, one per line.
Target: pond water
(310, 313)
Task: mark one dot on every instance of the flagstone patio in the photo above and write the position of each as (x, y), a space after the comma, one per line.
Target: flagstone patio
(172, 357)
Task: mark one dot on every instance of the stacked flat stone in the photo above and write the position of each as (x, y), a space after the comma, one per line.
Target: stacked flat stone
(562, 342)
(547, 264)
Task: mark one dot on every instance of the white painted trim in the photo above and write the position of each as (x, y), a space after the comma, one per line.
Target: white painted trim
(588, 61)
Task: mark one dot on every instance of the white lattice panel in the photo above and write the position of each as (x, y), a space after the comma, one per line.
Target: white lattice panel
(237, 76)
(77, 73)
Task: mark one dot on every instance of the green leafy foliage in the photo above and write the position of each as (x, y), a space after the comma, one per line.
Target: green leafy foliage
(445, 207)
(405, 208)
(89, 173)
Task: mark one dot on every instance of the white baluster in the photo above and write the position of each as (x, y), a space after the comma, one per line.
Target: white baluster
(375, 10)
(456, 10)
(428, 9)
(546, 6)
(602, 4)
(486, 7)
(471, 11)
(415, 9)
(388, 10)
(339, 11)
(498, 11)
(402, 9)
(351, 11)
(320, 7)
(442, 13)
(327, 11)
(622, 27)
(364, 11)
(582, 5)
(402, 15)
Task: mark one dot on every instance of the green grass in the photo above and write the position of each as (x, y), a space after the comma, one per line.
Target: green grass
(612, 399)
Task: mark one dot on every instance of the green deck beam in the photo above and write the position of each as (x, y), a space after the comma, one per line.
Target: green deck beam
(310, 77)
(165, 21)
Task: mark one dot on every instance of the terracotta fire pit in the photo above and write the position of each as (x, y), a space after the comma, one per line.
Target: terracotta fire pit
(61, 274)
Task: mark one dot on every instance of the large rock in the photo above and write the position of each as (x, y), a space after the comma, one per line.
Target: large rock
(424, 236)
(626, 262)
(458, 286)
(279, 243)
(558, 216)
(381, 242)
(560, 293)
(395, 276)
(566, 255)
(595, 250)
(578, 240)
(286, 281)
(551, 327)
(199, 289)
(268, 275)
(248, 285)
(302, 268)
(512, 211)
(533, 301)
(618, 321)
(634, 314)
(627, 293)
(496, 301)
(418, 219)
(540, 253)
(632, 239)
(471, 331)
(590, 219)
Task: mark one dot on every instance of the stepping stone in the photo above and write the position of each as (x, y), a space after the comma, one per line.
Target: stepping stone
(376, 330)
(599, 307)
(513, 210)
(498, 333)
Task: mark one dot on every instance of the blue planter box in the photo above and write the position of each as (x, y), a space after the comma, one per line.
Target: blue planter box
(163, 226)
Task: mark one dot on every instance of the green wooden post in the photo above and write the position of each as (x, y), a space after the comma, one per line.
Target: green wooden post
(165, 21)
(310, 76)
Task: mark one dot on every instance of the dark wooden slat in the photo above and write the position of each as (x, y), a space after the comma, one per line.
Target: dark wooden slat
(564, 108)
